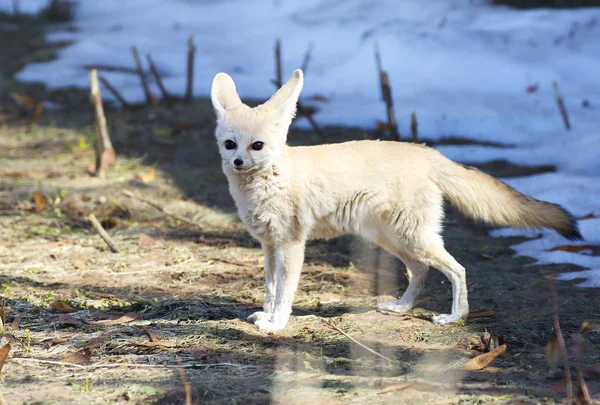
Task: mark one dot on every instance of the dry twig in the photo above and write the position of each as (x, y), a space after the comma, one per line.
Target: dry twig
(414, 127)
(105, 153)
(124, 365)
(561, 105)
(356, 341)
(161, 209)
(386, 94)
(114, 92)
(142, 75)
(307, 56)
(562, 346)
(98, 226)
(190, 70)
(159, 82)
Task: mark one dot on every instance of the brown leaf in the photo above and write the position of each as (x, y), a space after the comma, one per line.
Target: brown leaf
(14, 325)
(97, 341)
(62, 307)
(48, 343)
(483, 360)
(30, 174)
(68, 320)
(553, 353)
(532, 89)
(147, 177)
(396, 387)
(152, 334)
(4, 354)
(38, 112)
(80, 357)
(571, 248)
(591, 215)
(589, 326)
(186, 125)
(319, 97)
(40, 201)
(200, 352)
(24, 100)
(128, 317)
(146, 241)
(483, 314)
(154, 344)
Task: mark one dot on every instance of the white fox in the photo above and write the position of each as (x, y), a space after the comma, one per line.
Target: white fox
(390, 193)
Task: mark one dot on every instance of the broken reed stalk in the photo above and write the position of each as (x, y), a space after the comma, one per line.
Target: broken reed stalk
(278, 68)
(142, 75)
(161, 209)
(356, 341)
(563, 347)
(189, 91)
(98, 226)
(561, 105)
(161, 86)
(307, 56)
(114, 92)
(386, 94)
(414, 127)
(105, 153)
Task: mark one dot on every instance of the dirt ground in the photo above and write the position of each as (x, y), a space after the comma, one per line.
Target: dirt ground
(168, 311)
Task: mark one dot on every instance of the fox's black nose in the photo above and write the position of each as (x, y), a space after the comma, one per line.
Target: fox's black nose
(238, 162)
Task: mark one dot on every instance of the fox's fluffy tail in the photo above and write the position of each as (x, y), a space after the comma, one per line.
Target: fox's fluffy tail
(484, 198)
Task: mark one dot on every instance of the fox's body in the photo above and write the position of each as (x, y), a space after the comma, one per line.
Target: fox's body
(388, 192)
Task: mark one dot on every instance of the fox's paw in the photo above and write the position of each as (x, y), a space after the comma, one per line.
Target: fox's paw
(258, 316)
(445, 319)
(393, 306)
(266, 325)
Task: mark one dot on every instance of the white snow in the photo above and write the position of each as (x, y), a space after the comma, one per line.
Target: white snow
(463, 66)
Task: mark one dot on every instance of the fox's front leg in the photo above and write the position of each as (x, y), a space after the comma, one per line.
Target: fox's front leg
(288, 266)
(267, 312)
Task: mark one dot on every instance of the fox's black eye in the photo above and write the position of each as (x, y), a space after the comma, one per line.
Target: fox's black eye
(257, 145)
(230, 144)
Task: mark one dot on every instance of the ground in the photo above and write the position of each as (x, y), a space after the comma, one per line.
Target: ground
(193, 286)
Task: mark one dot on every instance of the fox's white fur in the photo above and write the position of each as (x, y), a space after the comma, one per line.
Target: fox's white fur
(388, 192)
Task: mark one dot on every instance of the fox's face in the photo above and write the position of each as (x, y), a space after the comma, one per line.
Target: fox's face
(252, 139)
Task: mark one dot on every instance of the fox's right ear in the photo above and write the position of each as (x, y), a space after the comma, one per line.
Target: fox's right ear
(223, 95)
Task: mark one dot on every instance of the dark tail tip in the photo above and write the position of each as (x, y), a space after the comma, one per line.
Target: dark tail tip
(573, 233)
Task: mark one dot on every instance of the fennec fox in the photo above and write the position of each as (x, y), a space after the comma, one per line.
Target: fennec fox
(390, 193)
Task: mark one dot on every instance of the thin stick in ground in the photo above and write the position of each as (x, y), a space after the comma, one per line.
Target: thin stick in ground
(561, 106)
(161, 209)
(114, 91)
(356, 341)
(189, 91)
(414, 127)
(142, 75)
(562, 346)
(186, 383)
(386, 94)
(307, 56)
(103, 234)
(166, 96)
(105, 153)
(278, 68)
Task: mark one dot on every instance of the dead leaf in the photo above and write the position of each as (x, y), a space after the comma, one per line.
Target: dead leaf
(152, 334)
(146, 241)
(40, 201)
(154, 344)
(4, 354)
(81, 357)
(200, 352)
(571, 248)
(38, 112)
(14, 325)
(483, 314)
(24, 100)
(68, 320)
(589, 327)
(553, 353)
(483, 360)
(319, 97)
(30, 174)
(62, 307)
(128, 317)
(591, 215)
(79, 265)
(532, 89)
(97, 341)
(396, 387)
(48, 343)
(147, 177)
(186, 125)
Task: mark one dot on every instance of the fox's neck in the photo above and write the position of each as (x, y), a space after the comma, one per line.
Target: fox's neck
(275, 176)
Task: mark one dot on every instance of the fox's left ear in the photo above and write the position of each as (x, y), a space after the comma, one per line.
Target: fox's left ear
(283, 103)
(223, 95)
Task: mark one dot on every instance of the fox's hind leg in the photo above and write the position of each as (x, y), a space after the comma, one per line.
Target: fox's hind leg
(417, 272)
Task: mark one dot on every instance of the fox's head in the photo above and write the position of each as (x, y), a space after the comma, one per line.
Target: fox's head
(253, 138)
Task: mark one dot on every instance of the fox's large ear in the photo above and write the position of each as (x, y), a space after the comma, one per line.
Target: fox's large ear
(283, 103)
(223, 95)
